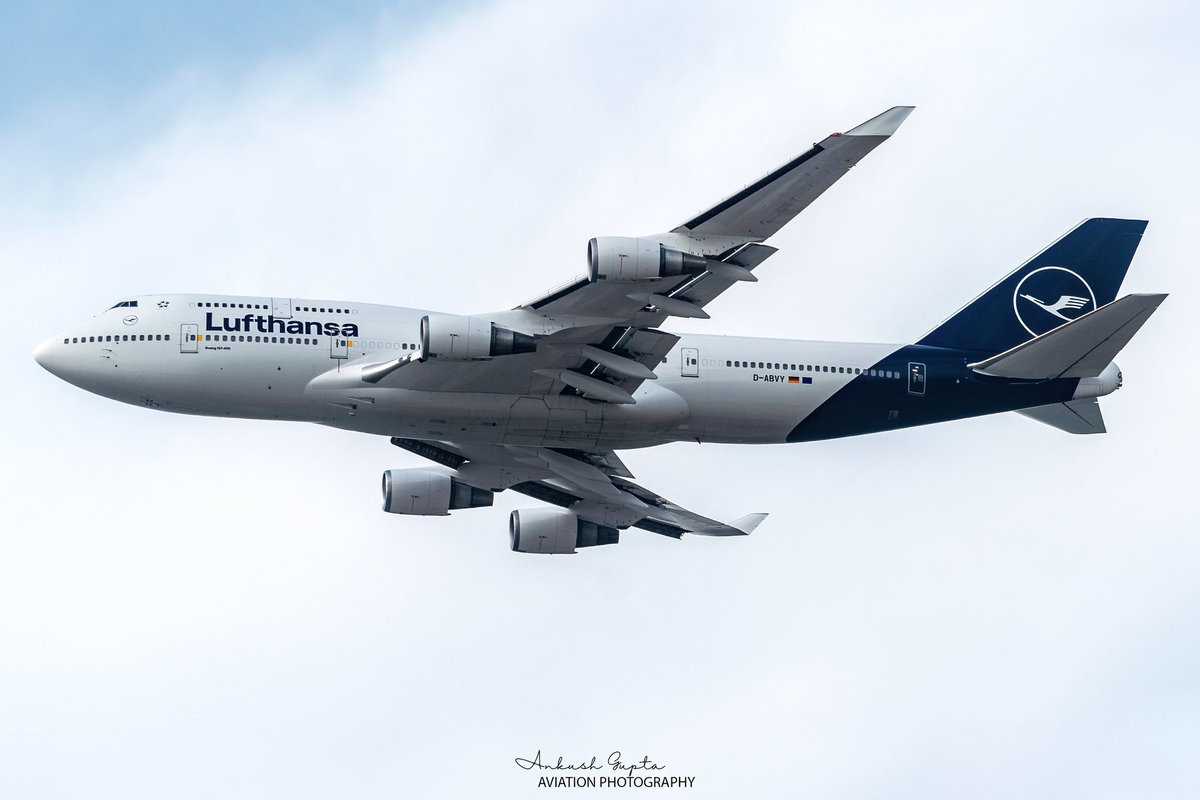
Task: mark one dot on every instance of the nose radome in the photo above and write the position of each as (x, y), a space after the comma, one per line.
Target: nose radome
(44, 354)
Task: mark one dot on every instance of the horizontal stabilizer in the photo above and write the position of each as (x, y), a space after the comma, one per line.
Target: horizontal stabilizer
(1081, 348)
(1075, 416)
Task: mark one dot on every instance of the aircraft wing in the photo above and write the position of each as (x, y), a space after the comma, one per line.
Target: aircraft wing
(729, 233)
(762, 208)
(593, 483)
(597, 336)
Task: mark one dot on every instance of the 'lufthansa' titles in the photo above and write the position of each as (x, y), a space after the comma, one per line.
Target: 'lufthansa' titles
(251, 323)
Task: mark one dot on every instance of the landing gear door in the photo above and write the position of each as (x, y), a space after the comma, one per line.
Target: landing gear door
(188, 341)
(916, 378)
(339, 347)
(281, 307)
(689, 366)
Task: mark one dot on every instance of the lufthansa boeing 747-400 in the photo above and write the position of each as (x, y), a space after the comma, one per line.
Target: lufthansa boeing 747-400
(540, 398)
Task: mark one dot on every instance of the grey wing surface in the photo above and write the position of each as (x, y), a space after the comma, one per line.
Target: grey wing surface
(762, 208)
(600, 339)
(730, 233)
(595, 484)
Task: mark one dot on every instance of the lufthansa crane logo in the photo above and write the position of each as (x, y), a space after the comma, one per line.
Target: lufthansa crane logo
(1050, 296)
(130, 320)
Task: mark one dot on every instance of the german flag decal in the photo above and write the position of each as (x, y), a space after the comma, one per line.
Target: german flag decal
(793, 379)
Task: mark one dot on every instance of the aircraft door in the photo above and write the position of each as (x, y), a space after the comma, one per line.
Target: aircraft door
(689, 366)
(188, 337)
(916, 378)
(339, 348)
(281, 307)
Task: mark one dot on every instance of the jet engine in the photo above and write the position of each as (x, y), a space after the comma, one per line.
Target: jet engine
(453, 338)
(429, 493)
(620, 258)
(555, 531)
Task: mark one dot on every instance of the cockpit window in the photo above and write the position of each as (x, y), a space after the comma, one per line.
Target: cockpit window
(125, 304)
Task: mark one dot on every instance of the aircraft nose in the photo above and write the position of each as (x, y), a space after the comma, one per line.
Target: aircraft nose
(43, 354)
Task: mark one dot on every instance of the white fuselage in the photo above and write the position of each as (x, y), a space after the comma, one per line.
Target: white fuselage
(296, 359)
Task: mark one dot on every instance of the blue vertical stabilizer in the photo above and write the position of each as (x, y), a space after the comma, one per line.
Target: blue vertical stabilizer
(1079, 273)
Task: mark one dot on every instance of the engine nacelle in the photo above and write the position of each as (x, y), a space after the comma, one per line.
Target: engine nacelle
(429, 493)
(621, 258)
(454, 338)
(555, 531)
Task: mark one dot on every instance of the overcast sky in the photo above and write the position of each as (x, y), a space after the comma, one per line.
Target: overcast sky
(198, 608)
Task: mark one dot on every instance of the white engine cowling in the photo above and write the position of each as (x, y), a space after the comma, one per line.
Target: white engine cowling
(454, 338)
(426, 492)
(622, 258)
(555, 531)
